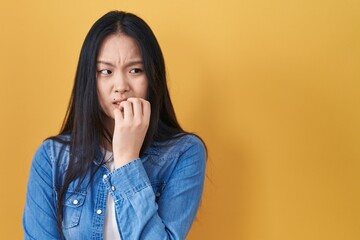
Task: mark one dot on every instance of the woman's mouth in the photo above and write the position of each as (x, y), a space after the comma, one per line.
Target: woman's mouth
(118, 101)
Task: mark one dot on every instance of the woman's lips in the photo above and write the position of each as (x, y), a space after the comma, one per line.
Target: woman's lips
(117, 102)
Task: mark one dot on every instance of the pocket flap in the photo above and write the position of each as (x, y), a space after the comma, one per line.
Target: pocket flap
(74, 199)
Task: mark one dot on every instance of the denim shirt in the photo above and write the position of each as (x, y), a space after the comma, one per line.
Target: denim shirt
(156, 196)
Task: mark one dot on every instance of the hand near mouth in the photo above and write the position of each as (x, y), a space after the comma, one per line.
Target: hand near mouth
(132, 119)
(117, 102)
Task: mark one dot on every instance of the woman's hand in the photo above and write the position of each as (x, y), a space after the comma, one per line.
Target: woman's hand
(132, 119)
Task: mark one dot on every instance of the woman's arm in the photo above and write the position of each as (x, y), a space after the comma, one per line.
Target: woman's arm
(39, 219)
(138, 214)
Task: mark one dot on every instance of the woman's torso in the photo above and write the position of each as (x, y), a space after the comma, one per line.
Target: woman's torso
(84, 207)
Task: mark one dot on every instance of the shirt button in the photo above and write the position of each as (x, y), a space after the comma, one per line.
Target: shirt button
(157, 194)
(99, 211)
(113, 188)
(105, 176)
(75, 202)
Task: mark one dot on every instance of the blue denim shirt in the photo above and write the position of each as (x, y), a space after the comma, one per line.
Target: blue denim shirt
(156, 196)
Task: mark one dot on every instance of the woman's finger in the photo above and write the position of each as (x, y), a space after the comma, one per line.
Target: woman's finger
(128, 110)
(146, 110)
(118, 115)
(137, 107)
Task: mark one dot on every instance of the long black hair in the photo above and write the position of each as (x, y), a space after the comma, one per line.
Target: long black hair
(84, 120)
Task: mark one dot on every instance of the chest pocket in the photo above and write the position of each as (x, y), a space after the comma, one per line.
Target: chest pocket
(73, 206)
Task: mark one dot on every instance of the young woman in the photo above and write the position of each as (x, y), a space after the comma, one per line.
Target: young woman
(121, 167)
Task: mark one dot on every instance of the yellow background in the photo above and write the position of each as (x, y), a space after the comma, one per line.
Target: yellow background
(273, 87)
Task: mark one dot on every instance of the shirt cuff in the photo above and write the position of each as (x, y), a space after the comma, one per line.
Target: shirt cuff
(127, 180)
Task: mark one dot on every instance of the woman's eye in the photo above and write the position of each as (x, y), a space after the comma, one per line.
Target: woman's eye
(136, 70)
(105, 72)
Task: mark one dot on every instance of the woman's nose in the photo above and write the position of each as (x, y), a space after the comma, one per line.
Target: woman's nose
(120, 83)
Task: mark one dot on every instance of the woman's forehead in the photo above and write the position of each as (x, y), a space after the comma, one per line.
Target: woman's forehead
(118, 47)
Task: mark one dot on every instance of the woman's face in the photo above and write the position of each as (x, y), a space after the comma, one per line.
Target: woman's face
(120, 72)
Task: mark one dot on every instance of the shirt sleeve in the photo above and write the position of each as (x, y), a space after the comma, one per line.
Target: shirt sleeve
(139, 216)
(39, 218)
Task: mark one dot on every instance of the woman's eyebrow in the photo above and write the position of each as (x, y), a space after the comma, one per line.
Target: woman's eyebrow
(129, 64)
(106, 63)
(132, 63)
